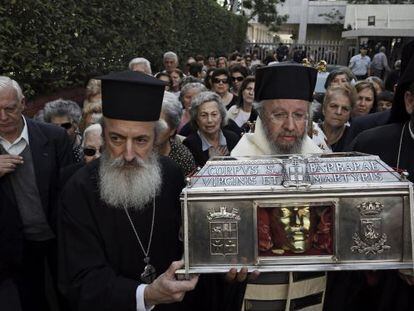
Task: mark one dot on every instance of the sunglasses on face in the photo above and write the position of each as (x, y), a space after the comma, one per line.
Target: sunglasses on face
(217, 81)
(90, 152)
(66, 125)
(238, 79)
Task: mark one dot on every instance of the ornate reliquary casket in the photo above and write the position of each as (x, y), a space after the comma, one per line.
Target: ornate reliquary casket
(344, 211)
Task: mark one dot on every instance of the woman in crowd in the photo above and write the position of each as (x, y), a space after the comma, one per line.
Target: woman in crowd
(91, 114)
(163, 76)
(167, 142)
(93, 92)
(243, 112)
(220, 84)
(338, 77)
(366, 99)
(92, 142)
(176, 76)
(66, 114)
(377, 83)
(222, 62)
(186, 95)
(237, 75)
(208, 116)
(337, 106)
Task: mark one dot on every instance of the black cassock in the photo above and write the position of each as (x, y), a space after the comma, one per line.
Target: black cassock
(386, 291)
(100, 258)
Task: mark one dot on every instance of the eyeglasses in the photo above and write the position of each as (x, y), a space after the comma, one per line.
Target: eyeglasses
(281, 117)
(66, 125)
(217, 81)
(238, 79)
(90, 152)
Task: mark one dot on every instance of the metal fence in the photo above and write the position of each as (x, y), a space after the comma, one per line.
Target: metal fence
(333, 52)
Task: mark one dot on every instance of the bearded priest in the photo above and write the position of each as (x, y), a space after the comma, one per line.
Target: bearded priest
(119, 221)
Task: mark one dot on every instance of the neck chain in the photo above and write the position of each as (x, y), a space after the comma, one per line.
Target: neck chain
(149, 274)
(409, 127)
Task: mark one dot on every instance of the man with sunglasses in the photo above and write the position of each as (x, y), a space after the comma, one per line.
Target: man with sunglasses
(31, 157)
(283, 93)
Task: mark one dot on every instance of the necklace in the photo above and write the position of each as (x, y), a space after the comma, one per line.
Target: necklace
(411, 131)
(149, 273)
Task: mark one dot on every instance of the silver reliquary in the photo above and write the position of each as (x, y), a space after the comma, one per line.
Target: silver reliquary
(344, 211)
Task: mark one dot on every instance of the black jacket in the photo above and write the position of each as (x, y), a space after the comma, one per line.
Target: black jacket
(193, 142)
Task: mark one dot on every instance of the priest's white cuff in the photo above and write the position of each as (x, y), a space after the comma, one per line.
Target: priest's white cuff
(140, 298)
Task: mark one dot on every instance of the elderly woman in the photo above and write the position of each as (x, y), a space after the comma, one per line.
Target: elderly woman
(67, 114)
(366, 99)
(167, 142)
(243, 113)
(337, 107)
(208, 116)
(220, 84)
(187, 93)
(92, 142)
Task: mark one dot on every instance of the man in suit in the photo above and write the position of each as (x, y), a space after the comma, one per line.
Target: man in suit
(31, 156)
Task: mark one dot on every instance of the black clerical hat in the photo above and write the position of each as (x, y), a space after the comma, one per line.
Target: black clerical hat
(285, 81)
(398, 111)
(131, 95)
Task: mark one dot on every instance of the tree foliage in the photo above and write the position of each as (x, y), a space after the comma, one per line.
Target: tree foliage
(53, 44)
(335, 18)
(263, 10)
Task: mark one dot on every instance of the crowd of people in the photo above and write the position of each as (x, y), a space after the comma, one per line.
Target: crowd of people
(89, 193)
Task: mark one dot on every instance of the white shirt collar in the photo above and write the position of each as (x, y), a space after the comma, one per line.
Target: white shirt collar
(23, 135)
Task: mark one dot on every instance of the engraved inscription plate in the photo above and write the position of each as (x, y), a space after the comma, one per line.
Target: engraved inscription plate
(292, 171)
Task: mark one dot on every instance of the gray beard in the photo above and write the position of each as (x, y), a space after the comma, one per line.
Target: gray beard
(129, 184)
(280, 149)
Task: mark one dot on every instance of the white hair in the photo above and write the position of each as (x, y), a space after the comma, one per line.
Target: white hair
(94, 128)
(143, 61)
(172, 110)
(6, 83)
(169, 55)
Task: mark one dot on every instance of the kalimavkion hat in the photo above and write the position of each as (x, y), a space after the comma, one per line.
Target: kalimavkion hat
(398, 111)
(133, 96)
(285, 81)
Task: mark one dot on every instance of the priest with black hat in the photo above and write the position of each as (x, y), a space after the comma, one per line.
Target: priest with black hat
(119, 221)
(283, 93)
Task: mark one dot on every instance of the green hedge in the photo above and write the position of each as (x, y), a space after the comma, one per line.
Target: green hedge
(49, 45)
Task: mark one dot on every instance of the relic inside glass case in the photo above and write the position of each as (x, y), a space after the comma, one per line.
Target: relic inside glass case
(296, 229)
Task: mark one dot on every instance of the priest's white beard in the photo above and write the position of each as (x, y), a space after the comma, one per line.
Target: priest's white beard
(129, 184)
(296, 147)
